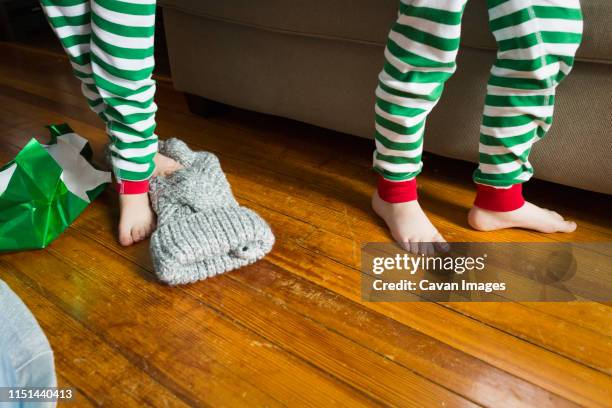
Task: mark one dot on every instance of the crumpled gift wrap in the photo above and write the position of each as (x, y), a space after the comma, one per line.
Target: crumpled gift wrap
(45, 188)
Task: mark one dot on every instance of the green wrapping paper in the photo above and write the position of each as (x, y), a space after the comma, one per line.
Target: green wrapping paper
(45, 188)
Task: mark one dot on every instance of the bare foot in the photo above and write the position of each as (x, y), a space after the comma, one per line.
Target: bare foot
(164, 166)
(529, 216)
(409, 226)
(137, 220)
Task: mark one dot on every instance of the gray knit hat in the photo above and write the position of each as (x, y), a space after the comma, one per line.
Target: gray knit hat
(201, 230)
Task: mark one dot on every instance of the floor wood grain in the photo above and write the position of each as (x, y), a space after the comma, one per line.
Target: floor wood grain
(290, 330)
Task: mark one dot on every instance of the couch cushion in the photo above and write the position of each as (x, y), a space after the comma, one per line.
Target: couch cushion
(358, 20)
(369, 21)
(596, 44)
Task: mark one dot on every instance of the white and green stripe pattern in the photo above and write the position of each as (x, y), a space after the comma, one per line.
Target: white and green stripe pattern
(537, 41)
(110, 46)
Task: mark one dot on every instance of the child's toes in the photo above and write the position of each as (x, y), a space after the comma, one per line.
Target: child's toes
(125, 236)
(440, 243)
(138, 233)
(566, 226)
(427, 249)
(414, 246)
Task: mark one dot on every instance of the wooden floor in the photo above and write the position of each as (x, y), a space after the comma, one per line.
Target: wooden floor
(291, 329)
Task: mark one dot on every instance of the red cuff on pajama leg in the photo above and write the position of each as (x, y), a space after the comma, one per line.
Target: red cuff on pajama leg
(132, 187)
(499, 199)
(397, 191)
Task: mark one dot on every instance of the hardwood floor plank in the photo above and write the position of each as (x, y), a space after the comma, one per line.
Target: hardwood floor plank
(584, 346)
(317, 303)
(220, 294)
(375, 375)
(593, 316)
(175, 337)
(210, 294)
(466, 375)
(548, 370)
(84, 359)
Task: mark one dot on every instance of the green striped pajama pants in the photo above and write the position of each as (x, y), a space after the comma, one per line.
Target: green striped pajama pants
(110, 46)
(537, 41)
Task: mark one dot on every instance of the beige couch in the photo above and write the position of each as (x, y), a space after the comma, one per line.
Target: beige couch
(317, 61)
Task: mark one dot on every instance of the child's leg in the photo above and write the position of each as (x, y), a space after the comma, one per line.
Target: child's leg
(420, 57)
(537, 42)
(71, 22)
(110, 45)
(122, 63)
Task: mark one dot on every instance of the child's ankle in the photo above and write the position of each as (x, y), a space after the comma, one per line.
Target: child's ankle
(499, 199)
(132, 187)
(395, 192)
